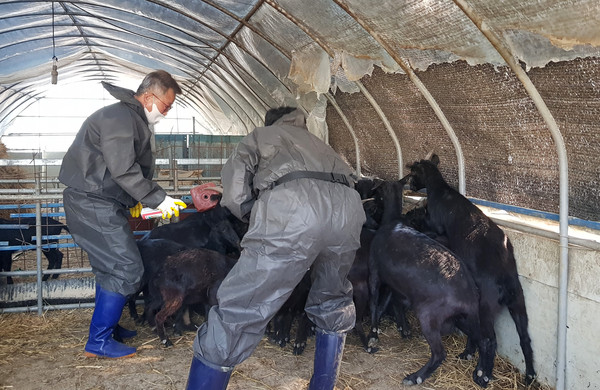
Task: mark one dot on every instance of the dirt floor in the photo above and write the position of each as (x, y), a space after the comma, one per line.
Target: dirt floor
(46, 352)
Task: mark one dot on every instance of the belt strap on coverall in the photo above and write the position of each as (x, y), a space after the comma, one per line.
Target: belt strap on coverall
(326, 176)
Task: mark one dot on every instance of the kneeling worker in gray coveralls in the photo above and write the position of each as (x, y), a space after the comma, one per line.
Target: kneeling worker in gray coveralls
(303, 213)
(108, 169)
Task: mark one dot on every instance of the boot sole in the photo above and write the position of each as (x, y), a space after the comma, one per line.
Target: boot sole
(93, 355)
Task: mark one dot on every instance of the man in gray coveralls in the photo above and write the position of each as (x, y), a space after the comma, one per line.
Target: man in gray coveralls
(303, 213)
(108, 169)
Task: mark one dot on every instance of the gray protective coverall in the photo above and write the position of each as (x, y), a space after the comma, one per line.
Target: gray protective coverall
(296, 225)
(108, 169)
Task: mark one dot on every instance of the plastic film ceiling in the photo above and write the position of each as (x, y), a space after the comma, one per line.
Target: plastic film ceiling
(235, 59)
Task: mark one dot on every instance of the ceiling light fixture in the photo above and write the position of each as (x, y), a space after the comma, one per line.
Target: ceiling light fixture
(54, 72)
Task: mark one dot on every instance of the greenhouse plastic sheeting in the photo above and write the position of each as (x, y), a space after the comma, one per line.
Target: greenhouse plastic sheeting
(235, 59)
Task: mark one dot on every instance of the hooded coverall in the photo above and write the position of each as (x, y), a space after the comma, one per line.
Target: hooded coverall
(107, 170)
(300, 224)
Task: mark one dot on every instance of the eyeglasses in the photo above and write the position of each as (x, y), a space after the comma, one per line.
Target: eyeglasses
(167, 106)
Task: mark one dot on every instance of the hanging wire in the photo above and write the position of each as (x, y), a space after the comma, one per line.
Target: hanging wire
(54, 71)
(53, 43)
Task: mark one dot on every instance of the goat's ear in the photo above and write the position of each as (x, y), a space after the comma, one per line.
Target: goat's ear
(435, 159)
(376, 183)
(405, 179)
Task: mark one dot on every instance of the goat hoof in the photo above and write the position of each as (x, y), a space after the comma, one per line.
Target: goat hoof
(372, 350)
(465, 356)
(529, 379)
(299, 349)
(373, 341)
(167, 343)
(480, 379)
(412, 380)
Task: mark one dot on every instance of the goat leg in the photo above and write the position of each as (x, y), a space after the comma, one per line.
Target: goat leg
(172, 303)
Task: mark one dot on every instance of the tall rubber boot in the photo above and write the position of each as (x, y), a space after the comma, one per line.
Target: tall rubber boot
(109, 306)
(206, 376)
(329, 347)
(120, 333)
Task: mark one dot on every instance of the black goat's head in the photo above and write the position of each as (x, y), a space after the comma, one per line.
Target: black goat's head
(420, 171)
(367, 187)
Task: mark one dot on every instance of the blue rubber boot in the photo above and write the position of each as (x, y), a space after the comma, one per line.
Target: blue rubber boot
(109, 306)
(120, 333)
(329, 347)
(207, 377)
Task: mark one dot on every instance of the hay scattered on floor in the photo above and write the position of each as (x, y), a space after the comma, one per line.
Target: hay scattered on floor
(59, 335)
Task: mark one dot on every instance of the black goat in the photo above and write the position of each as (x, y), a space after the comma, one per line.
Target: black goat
(291, 309)
(359, 273)
(215, 229)
(434, 283)
(154, 253)
(368, 189)
(486, 250)
(22, 237)
(372, 192)
(189, 277)
(428, 278)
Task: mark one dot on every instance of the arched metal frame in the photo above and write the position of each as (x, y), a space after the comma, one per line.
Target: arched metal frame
(219, 51)
(208, 77)
(561, 150)
(350, 129)
(426, 94)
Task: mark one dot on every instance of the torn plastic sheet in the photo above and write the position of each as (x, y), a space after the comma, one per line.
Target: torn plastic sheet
(537, 51)
(316, 122)
(309, 69)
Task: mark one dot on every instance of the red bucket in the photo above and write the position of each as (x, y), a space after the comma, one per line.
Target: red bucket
(201, 196)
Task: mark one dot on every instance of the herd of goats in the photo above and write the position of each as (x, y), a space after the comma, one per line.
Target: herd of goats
(445, 260)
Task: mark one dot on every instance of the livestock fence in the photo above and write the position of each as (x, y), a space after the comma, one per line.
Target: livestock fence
(77, 289)
(37, 196)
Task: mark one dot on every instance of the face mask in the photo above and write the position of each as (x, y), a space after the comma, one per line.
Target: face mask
(153, 116)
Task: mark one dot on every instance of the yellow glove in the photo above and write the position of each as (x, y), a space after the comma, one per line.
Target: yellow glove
(136, 210)
(171, 206)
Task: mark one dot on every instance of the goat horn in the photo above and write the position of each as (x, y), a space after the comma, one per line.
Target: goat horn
(366, 200)
(428, 157)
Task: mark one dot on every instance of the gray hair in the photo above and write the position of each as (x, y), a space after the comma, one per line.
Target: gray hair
(158, 81)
